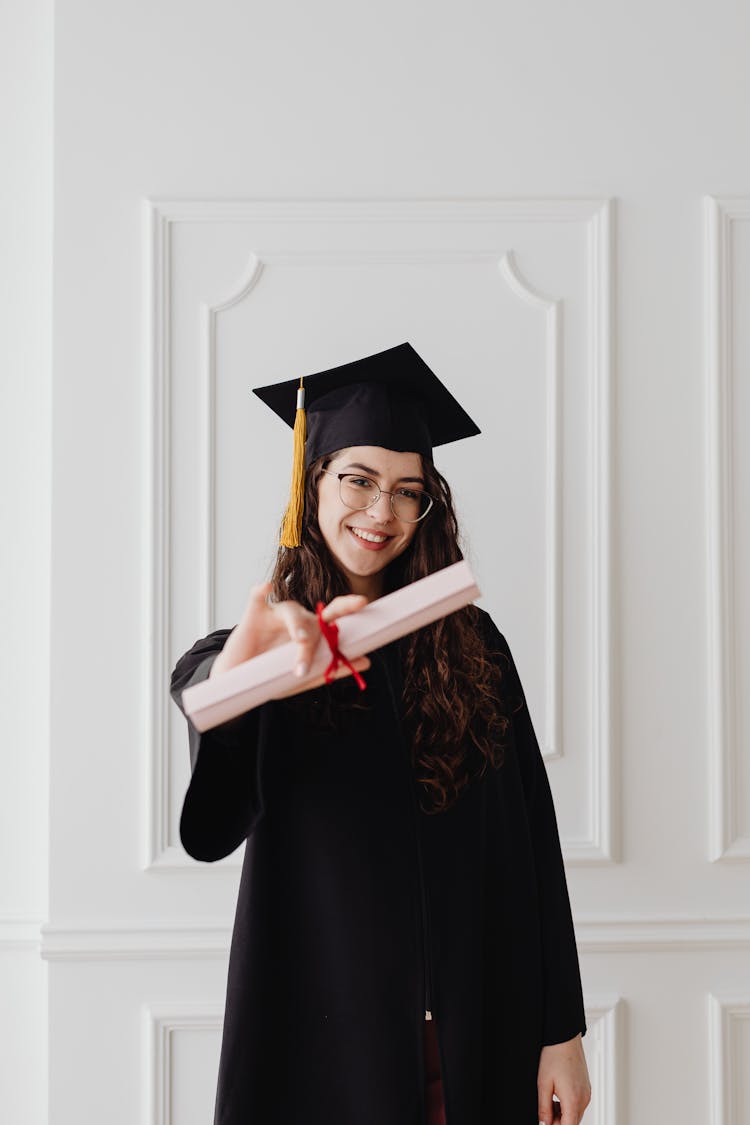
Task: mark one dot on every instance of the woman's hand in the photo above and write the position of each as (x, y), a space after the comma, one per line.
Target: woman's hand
(563, 1071)
(263, 626)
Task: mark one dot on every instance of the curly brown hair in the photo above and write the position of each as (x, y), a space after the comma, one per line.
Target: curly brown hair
(452, 679)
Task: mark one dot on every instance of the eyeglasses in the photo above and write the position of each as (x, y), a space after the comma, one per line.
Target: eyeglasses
(408, 504)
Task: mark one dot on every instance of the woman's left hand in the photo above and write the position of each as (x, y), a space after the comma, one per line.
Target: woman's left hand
(563, 1071)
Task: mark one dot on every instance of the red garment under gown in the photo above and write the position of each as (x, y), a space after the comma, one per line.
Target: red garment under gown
(433, 1082)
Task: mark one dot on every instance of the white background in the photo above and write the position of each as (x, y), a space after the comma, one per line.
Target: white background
(552, 202)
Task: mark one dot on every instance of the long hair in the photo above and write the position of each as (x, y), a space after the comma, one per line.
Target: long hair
(451, 683)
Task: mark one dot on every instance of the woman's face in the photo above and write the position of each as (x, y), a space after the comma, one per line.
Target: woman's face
(364, 562)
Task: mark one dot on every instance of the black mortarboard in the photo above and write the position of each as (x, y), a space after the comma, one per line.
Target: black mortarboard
(392, 399)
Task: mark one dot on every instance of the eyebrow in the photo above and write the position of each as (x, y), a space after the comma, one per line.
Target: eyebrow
(375, 473)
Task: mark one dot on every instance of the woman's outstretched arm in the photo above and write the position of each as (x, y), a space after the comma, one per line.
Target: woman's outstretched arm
(224, 800)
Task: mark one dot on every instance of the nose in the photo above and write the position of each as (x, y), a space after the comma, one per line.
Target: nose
(381, 510)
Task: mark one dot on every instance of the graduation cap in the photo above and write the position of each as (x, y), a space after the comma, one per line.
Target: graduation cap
(392, 399)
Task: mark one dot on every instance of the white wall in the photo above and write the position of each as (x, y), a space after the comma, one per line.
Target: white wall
(25, 455)
(632, 628)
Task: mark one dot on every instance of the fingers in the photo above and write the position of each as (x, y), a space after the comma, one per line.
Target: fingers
(339, 607)
(362, 663)
(307, 636)
(544, 1090)
(550, 1110)
(300, 624)
(303, 626)
(343, 604)
(259, 592)
(570, 1115)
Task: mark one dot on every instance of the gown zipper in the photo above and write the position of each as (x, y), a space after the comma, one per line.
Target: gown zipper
(424, 914)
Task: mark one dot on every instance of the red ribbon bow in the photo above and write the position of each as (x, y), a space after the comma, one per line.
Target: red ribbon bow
(330, 631)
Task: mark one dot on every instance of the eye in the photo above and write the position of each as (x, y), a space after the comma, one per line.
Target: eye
(409, 493)
(361, 482)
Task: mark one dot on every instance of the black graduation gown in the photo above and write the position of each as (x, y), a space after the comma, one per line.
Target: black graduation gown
(357, 912)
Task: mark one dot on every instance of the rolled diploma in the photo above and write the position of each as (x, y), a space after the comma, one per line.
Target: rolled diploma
(270, 674)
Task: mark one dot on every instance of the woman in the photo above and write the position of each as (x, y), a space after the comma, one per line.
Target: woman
(403, 949)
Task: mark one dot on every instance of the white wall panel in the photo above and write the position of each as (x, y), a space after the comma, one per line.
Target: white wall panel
(153, 1029)
(26, 199)
(539, 382)
(23, 1061)
(551, 204)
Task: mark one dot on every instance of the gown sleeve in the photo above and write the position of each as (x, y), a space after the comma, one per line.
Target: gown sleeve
(564, 1014)
(224, 800)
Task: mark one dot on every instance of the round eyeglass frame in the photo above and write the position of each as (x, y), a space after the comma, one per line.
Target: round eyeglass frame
(364, 476)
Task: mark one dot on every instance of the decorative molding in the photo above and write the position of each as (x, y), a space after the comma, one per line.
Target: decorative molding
(661, 935)
(20, 932)
(726, 843)
(536, 209)
(605, 844)
(196, 941)
(208, 317)
(726, 1069)
(173, 857)
(596, 215)
(160, 1024)
(551, 307)
(134, 943)
(604, 1045)
(156, 506)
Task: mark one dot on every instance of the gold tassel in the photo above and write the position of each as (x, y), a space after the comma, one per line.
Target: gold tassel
(291, 531)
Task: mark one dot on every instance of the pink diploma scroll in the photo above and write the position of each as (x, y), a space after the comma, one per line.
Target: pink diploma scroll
(270, 674)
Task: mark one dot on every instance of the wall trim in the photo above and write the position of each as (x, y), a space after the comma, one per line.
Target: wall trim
(604, 1044)
(726, 842)
(20, 932)
(552, 309)
(595, 215)
(160, 1022)
(726, 1014)
(613, 935)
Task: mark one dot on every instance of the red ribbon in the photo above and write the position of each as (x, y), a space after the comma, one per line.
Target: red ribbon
(330, 631)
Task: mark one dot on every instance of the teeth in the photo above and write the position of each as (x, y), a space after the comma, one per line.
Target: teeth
(369, 536)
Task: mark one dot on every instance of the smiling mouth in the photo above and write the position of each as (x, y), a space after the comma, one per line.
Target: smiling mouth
(360, 533)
